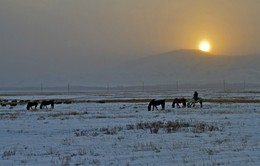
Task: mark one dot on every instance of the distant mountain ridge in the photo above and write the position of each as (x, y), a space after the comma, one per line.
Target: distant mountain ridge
(187, 66)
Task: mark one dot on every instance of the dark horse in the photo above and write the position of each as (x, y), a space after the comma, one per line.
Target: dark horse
(177, 101)
(155, 103)
(45, 103)
(31, 104)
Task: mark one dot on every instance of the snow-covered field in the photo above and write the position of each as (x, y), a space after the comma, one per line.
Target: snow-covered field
(127, 134)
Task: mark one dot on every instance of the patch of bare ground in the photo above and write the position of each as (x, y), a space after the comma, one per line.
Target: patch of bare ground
(170, 100)
(174, 126)
(232, 111)
(70, 101)
(113, 117)
(232, 100)
(73, 113)
(61, 115)
(8, 116)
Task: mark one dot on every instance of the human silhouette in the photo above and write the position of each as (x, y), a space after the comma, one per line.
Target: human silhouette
(195, 96)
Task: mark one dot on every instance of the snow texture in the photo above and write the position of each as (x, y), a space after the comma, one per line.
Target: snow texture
(127, 134)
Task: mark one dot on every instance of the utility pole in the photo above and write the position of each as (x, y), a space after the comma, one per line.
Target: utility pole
(41, 88)
(108, 87)
(224, 85)
(68, 88)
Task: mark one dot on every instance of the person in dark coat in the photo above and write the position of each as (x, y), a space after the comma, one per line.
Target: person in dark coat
(195, 96)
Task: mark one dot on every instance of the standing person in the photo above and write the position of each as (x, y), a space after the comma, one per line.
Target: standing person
(195, 96)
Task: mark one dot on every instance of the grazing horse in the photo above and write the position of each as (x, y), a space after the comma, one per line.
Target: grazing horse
(45, 103)
(31, 104)
(192, 102)
(155, 103)
(177, 101)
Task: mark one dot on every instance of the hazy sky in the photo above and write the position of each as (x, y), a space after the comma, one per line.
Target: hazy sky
(43, 39)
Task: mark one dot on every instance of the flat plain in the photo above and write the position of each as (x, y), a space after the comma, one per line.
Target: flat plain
(115, 128)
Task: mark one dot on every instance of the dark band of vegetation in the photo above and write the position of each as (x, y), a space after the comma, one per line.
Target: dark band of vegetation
(170, 100)
(69, 101)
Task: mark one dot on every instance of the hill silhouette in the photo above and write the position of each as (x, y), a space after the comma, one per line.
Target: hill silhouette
(187, 66)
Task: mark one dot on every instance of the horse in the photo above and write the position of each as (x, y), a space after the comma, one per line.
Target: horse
(155, 103)
(192, 102)
(31, 104)
(45, 103)
(177, 101)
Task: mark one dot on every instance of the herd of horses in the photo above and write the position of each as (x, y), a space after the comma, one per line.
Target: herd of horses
(177, 101)
(44, 104)
(152, 104)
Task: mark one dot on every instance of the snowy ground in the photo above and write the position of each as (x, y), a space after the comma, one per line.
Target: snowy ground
(128, 134)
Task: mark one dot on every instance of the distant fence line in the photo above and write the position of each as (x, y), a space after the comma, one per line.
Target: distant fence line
(70, 88)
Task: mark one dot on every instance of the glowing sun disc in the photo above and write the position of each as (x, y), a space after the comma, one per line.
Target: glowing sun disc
(204, 46)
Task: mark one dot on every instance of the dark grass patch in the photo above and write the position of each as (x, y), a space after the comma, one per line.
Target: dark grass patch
(154, 128)
(74, 113)
(8, 116)
(174, 126)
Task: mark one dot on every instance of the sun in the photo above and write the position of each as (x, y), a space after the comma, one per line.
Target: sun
(204, 46)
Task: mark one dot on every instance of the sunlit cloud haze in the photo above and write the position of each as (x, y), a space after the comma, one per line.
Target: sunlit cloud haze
(62, 41)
